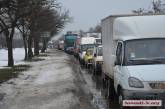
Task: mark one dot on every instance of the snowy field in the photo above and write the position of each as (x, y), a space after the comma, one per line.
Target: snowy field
(18, 54)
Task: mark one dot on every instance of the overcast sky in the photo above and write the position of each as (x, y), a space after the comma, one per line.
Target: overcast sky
(88, 13)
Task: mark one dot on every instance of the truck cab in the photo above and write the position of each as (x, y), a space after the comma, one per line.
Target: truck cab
(139, 68)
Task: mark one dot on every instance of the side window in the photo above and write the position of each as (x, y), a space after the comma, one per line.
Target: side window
(119, 53)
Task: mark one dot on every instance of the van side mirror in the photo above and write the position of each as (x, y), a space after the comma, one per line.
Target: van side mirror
(116, 60)
(95, 55)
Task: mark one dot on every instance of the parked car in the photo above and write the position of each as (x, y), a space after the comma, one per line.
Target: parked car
(97, 60)
(134, 64)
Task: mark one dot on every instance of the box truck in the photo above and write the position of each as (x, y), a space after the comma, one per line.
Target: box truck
(61, 44)
(134, 57)
(69, 40)
(77, 47)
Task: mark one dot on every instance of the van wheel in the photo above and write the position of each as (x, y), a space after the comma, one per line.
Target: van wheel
(111, 90)
(94, 71)
(80, 61)
(104, 83)
(120, 99)
(86, 66)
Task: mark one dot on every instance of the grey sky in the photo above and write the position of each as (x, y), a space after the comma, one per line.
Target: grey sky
(88, 13)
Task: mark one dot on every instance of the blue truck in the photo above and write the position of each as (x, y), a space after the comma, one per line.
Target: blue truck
(69, 40)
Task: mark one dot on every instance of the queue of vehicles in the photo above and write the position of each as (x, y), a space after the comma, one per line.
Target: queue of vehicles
(129, 57)
(87, 49)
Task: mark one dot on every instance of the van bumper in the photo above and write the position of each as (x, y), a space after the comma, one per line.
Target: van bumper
(145, 95)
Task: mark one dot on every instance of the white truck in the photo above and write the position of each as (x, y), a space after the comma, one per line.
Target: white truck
(61, 45)
(85, 43)
(134, 57)
(97, 59)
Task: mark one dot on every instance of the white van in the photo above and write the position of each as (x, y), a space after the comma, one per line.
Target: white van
(134, 56)
(97, 59)
(85, 43)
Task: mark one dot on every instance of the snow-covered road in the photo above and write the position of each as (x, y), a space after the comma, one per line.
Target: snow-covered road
(54, 83)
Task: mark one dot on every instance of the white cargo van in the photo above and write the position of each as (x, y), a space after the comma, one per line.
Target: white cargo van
(97, 59)
(61, 45)
(134, 56)
(85, 43)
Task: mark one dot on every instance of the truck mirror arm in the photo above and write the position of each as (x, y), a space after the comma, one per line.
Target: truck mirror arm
(117, 62)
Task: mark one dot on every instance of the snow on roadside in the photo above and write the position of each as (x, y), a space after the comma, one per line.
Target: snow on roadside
(47, 84)
(54, 72)
(18, 54)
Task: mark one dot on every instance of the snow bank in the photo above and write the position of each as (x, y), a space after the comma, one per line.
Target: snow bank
(52, 74)
(18, 54)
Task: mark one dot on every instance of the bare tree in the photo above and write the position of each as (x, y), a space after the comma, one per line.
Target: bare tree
(32, 18)
(156, 8)
(9, 16)
(96, 29)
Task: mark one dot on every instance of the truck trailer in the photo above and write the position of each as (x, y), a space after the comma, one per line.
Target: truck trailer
(134, 57)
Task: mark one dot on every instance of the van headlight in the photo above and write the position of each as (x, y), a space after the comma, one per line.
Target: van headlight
(134, 82)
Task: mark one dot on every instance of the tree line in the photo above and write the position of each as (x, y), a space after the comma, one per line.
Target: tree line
(36, 20)
(157, 8)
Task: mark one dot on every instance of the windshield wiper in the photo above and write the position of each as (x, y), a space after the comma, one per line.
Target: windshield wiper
(147, 61)
(159, 58)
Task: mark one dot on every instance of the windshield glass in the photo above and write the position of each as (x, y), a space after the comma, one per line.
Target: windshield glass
(100, 51)
(86, 46)
(90, 51)
(145, 51)
(98, 41)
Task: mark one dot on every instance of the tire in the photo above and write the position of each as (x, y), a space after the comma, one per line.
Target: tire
(94, 71)
(111, 90)
(98, 69)
(104, 83)
(81, 61)
(86, 66)
(120, 99)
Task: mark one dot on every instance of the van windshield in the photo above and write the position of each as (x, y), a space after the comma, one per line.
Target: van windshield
(145, 51)
(90, 51)
(86, 46)
(98, 41)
